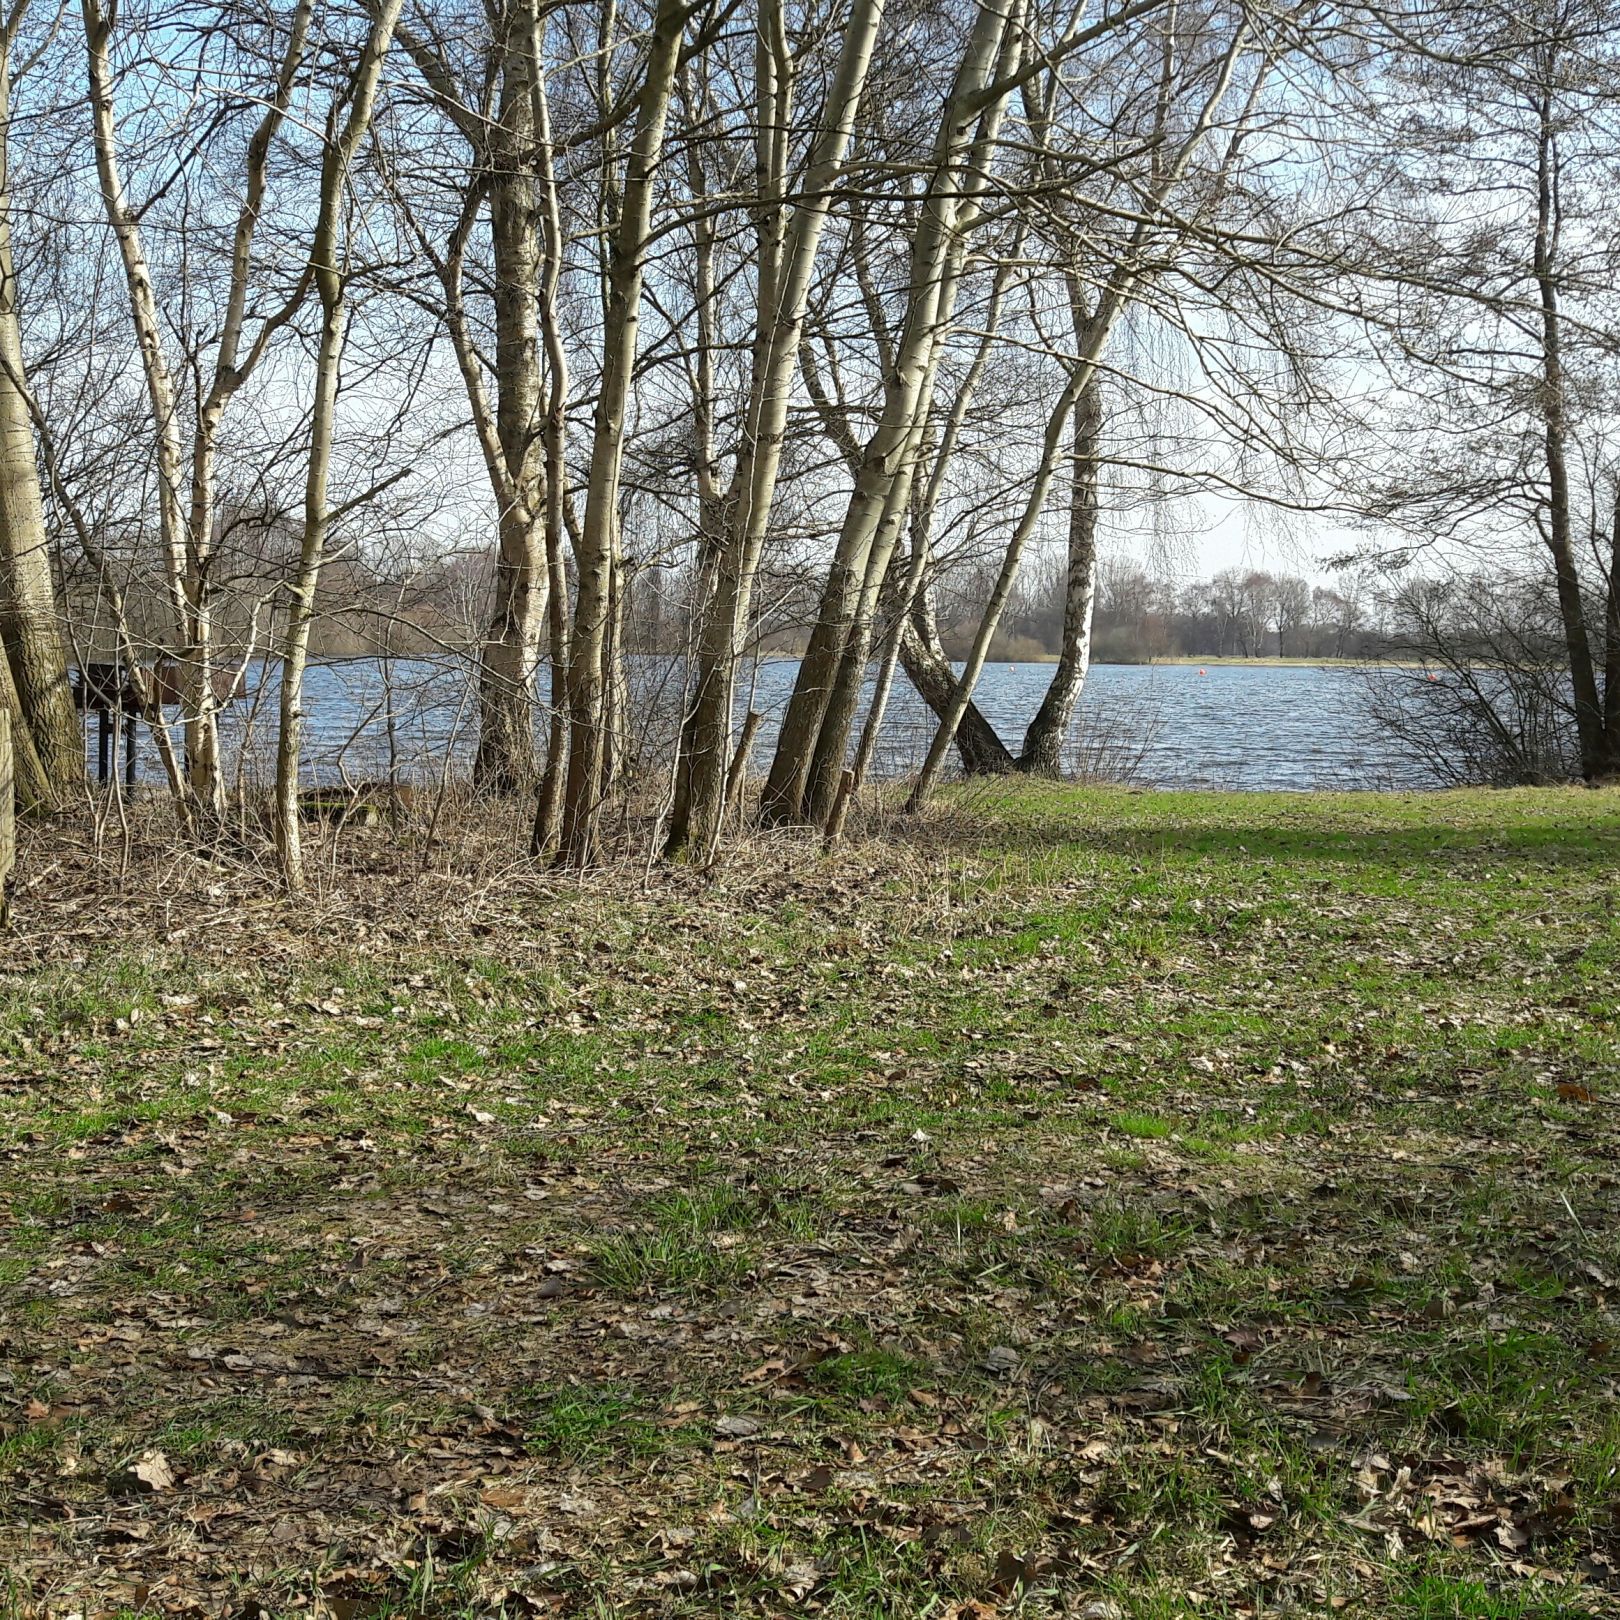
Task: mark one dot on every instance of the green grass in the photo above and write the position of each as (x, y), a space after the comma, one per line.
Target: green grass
(586, 1423)
(640, 1262)
(1441, 1598)
(1198, 1203)
(870, 1377)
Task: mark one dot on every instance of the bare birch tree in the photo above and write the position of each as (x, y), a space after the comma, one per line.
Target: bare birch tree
(803, 776)
(787, 242)
(330, 274)
(1093, 337)
(597, 548)
(501, 123)
(186, 477)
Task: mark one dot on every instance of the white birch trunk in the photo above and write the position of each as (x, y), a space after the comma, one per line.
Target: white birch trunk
(597, 551)
(329, 276)
(554, 434)
(1048, 731)
(784, 294)
(186, 525)
(200, 730)
(871, 520)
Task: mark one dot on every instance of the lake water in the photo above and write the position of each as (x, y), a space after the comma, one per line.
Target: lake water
(1164, 725)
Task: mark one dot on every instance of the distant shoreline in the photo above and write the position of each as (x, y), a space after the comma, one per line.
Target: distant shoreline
(1177, 661)
(1183, 662)
(1261, 663)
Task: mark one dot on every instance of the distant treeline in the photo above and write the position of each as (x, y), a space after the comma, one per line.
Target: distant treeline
(433, 604)
(1238, 613)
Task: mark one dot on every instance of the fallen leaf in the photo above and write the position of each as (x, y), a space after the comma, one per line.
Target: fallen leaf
(149, 1472)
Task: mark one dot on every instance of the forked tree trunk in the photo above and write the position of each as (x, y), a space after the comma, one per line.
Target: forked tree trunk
(950, 721)
(982, 751)
(913, 636)
(187, 526)
(978, 745)
(841, 638)
(787, 253)
(911, 596)
(507, 159)
(1093, 337)
(202, 749)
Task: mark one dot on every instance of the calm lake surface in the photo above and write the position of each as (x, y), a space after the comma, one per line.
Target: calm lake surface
(1164, 725)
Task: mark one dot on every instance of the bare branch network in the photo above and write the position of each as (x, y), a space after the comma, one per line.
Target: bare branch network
(600, 349)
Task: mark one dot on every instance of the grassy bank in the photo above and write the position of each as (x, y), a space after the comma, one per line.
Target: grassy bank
(1115, 1204)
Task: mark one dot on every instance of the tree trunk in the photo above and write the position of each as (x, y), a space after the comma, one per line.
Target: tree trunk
(1589, 718)
(962, 696)
(982, 751)
(597, 550)
(1093, 337)
(1044, 739)
(329, 275)
(984, 748)
(300, 615)
(787, 260)
(905, 594)
(186, 553)
(841, 639)
(1611, 649)
(912, 601)
(506, 753)
(554, 446)
(509, 659)
(50, 745)
(510, 159)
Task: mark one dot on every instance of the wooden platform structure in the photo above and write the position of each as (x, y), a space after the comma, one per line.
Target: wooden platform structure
(106, 691)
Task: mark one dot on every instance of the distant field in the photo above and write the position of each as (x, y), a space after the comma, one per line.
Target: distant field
(1088, 1203)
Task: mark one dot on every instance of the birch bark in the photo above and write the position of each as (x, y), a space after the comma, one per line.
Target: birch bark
(330, 277)
(960, 172)
(596, 553)
(787, 260)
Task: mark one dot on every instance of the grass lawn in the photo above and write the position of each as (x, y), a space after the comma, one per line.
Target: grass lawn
(1093, 1203)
